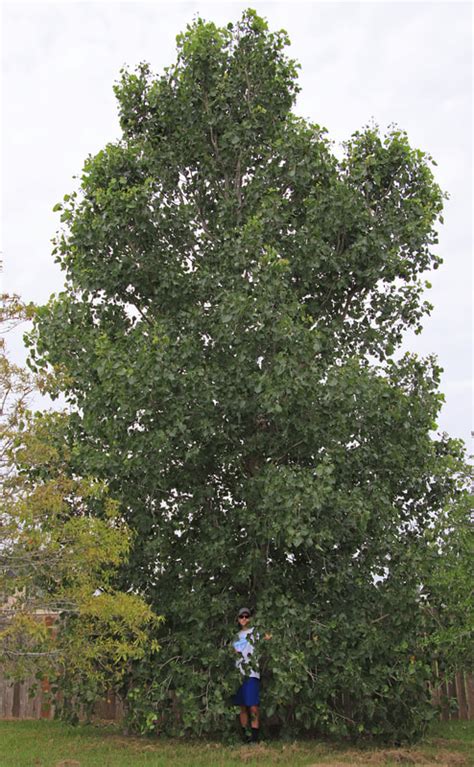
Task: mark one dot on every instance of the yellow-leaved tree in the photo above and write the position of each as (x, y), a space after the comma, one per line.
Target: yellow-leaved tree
(62, 539)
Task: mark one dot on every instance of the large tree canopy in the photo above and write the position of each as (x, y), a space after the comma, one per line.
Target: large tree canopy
(234, 298)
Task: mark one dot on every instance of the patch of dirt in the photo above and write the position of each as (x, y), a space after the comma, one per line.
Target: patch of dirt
(397, 756)
(253, 753)
(411, 756)
(68, 763)
(261, 752)
(297, 747)
(445, 742)
(331, 764)
(135, 744)
(277, 755)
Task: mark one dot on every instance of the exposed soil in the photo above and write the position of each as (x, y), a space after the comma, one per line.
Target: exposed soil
(398, 756)
(68, 763)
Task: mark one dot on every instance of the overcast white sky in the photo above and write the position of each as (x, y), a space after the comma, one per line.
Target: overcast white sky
(403, 62)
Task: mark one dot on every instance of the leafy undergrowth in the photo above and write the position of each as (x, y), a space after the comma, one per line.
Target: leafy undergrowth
(54, 744)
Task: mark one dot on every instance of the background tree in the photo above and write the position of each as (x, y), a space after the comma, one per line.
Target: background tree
(449, 573)
(234, 299)
(61, 541)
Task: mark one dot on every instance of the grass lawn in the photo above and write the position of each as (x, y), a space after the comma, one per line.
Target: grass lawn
(53, 744)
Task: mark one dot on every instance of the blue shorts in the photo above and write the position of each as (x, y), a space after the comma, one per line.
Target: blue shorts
(248, 693)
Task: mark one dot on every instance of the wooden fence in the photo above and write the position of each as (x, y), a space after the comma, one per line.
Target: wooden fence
(17, 702)
(455, 698)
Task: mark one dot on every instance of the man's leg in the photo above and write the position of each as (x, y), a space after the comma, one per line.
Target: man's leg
(255, 723)
(244, 722)
(244, 716)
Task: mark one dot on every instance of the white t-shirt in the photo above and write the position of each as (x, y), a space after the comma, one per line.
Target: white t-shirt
(245, 646)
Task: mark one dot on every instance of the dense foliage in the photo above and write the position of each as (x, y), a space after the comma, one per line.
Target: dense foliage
(235, 296)
(61, 542)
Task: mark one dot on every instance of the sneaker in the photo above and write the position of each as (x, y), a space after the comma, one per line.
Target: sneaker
(255, 735)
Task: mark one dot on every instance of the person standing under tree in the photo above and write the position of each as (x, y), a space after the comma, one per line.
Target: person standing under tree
(248, 694)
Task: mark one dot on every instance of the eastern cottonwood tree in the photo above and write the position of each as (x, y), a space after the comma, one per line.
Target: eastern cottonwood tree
(235, 295)
(61, 541)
